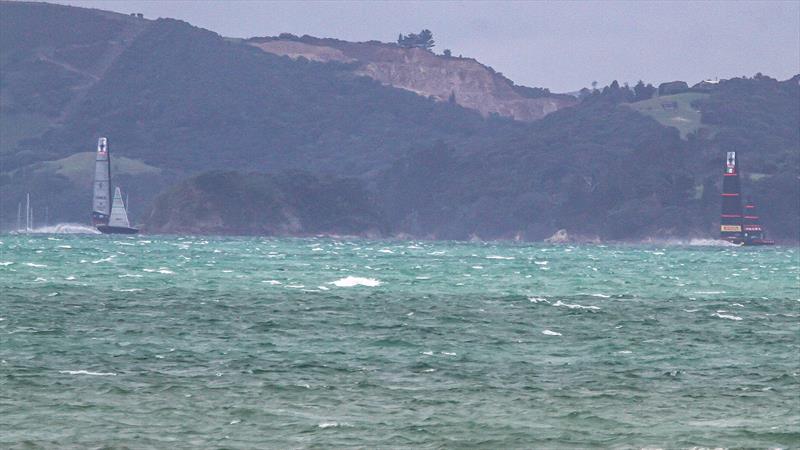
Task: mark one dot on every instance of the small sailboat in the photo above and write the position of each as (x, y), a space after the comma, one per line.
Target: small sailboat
(107, 217)
(738, 225)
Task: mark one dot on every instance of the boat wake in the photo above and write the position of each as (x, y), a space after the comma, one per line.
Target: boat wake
(694, 242)
(63, 228)
(711, 243)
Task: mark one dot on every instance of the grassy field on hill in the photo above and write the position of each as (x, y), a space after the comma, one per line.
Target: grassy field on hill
(674, 111)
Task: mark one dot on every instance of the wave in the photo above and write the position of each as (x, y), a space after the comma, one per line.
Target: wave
(86, 372)
(551, 333)
(356, 281)
(575, 306)
(333, 425)
(726, 316)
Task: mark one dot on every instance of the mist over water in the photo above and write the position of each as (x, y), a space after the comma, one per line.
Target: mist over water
(246, 342)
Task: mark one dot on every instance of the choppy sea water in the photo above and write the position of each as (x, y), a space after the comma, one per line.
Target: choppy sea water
(168, 342)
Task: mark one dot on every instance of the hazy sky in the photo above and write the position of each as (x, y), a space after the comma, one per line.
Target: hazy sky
(560, 45)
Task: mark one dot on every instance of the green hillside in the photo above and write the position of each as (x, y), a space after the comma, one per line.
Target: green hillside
(79, 168)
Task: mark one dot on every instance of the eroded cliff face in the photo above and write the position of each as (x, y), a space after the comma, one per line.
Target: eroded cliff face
(470, 83)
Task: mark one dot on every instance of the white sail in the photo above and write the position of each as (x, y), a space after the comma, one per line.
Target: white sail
(119, 217)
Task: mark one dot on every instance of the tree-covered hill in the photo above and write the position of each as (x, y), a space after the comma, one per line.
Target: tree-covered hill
(183, 100)
(293, 203)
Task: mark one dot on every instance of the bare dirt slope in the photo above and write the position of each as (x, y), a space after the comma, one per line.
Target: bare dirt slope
(465, 80)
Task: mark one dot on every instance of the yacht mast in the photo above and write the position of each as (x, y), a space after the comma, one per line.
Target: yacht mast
(28, 212)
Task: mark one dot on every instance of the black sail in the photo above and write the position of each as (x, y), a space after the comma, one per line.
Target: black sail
(750, 225)
(731, 218)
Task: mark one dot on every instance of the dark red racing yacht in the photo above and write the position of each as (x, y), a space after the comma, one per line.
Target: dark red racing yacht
(738, 225)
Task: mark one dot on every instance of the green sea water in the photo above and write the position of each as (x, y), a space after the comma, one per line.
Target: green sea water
(167, 342)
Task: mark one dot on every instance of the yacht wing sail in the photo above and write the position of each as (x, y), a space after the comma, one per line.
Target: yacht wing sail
(101, 200)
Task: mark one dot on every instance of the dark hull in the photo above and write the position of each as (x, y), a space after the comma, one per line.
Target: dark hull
(758, 242)
(107, 229)
(751, 242)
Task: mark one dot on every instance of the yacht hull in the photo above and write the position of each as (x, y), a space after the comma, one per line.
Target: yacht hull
(108, 229)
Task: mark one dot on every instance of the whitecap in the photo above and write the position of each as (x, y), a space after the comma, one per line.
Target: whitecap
(351, 281)
(6, 263)
(295, 286)
(600, 295)
(710, 292)
(104, 259)
(499, 257)
(86, 372)
(575, 306)
(625, 352)
(540, 263)
(449, 353)
(551, 333)
(477, 267)
(35, 265)
(166, 271)
(273, 282)
(726, 316)
(329, 425)
(428, 353)
(64, 246)
(385, 250)
(538, 300)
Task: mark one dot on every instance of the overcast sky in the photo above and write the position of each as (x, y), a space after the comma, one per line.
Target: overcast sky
(560, 45)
